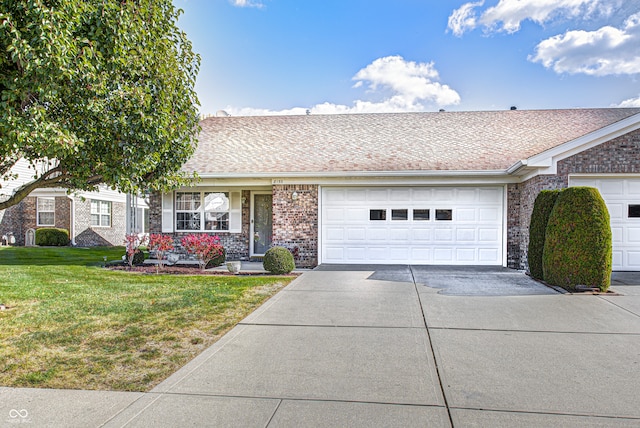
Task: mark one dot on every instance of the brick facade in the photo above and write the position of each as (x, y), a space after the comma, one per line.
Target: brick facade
(295, 221)
(23, 216)
(618, 156)
(91, 236)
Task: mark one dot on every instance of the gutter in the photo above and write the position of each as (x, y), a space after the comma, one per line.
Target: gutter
(342, 174)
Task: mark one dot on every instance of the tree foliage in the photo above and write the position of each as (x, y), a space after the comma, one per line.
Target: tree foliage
(95, 91)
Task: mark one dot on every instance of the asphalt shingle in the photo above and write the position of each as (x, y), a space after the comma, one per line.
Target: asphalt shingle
(439, 141)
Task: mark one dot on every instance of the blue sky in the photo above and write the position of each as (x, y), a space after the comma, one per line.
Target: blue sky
(356, 56)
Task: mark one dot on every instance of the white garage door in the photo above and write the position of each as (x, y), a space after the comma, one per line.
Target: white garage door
(622, 196)
(418, 225)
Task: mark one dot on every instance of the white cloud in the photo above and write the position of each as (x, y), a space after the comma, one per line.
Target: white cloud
(631, 102)
(507, 15)
(247, 3)
(402, 85)
(464, 18)
(606, 51)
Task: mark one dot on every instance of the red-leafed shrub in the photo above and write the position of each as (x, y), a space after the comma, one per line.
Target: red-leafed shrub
(204, 247)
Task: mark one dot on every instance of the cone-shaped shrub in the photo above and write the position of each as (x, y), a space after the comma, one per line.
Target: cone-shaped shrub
(577, 249)
(278, 260)
(542, 207)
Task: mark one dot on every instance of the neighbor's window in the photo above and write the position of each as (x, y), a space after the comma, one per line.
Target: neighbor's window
(634, 211)
(400, 214)
(377, 215)
(421, 215)
(202, 210)
(46, 214)
(444, 214)
(100, 213)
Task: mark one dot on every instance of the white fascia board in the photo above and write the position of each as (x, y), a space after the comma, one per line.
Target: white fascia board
(547, 161)
(361, 178)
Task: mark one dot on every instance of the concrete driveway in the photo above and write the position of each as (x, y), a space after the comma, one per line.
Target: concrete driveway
(394, 346)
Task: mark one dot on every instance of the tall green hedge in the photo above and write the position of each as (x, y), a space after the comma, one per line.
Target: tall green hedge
(542, 207)
(51, 236)
(577, 249)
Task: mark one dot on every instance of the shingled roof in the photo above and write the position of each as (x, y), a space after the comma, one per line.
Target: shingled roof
(393, 142)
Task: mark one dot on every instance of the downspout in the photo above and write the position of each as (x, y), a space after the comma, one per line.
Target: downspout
(72, 220)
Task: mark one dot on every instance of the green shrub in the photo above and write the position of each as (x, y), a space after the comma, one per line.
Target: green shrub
(542, 207)
(577, 249)
(278, 260)
(52, 237)
(217, 261)
(138, 258)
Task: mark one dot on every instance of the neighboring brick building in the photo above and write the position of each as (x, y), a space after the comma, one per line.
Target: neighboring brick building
(410, 188)
(92, 218)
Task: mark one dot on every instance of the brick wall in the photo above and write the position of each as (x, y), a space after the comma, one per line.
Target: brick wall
(23, 216)
(618, 156)
(295, 222)
(90, 236)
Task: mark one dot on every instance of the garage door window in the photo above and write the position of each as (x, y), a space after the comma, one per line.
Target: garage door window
(634, 211)
(377, 215)
(399, 214)
(421, 215)
(445, 215)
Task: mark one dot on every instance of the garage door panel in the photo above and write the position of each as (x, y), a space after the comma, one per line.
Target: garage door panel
(377, 234)
(335, 234)
(356, 234)
(465, 235)
(490, 196)
(618, 193)
(487, 254)
(488, 234)
(400, 195)
(633, 261)
(489, 214)
(401, 235)
(356, 195)
(409, 231)
(633, 235)
(443, 235)
(617, 211)
(617, 235)
(443, 255)
(378, 195)
(421, 234)
(466, 214)
(612, 187)
(465, 255)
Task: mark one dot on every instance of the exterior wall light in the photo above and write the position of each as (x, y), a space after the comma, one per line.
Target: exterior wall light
(294, 196)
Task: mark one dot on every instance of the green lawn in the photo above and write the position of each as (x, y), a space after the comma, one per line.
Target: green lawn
(72, 324)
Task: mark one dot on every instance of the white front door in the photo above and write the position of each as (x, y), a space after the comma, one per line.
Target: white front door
(417, 225)
(261, 223)
(622, 196)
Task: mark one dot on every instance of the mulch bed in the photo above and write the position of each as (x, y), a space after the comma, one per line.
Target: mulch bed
(183, 270)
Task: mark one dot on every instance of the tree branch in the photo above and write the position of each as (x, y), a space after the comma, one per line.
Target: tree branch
(52, 178)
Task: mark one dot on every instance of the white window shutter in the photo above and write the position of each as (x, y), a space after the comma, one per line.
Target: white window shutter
(167, 213)
(235, 212)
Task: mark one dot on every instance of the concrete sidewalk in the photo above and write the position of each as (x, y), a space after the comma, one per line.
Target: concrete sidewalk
(378, 347)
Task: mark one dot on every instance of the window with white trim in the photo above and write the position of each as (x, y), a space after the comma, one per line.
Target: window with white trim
(100, 213)
(46, 211)
(202, 211)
